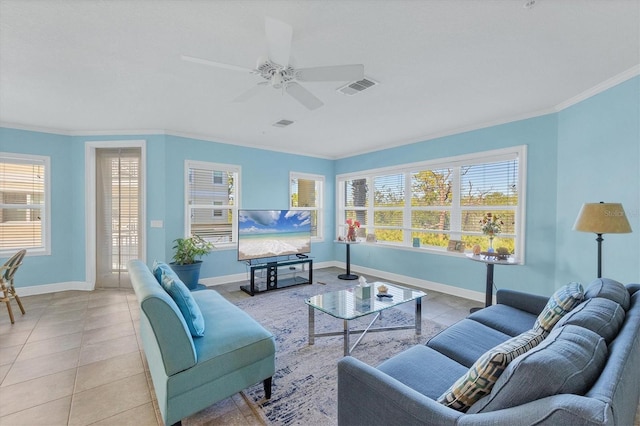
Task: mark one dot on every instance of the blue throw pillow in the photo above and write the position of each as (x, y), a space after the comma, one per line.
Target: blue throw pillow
(157, 271)
(182, 296)
(609, 289)
(598, 314)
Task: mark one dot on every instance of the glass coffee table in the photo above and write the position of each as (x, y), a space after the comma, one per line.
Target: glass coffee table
(349, 304)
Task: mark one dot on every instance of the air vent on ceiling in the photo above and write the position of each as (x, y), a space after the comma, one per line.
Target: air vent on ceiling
(355, 87)
(283, 123)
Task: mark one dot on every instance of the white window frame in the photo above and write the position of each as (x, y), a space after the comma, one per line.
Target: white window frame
(45, 217)
(213, 167)
(319, 208)
(519, 152)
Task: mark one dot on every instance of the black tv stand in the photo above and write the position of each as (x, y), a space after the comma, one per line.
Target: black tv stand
(291, 274)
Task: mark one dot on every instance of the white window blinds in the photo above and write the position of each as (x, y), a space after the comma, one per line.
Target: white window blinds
(212, 191)
(438, 201)
(306, 193)
(23, 203)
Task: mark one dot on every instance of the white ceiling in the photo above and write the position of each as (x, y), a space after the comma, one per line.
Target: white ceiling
(444, 66)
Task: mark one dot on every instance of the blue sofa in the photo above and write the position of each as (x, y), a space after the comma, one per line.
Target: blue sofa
(604, 373)
(191, 373)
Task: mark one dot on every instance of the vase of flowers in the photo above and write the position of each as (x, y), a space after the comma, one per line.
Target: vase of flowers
(352, 225)
(491, 226)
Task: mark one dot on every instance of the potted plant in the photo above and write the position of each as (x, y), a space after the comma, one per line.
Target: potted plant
(185, 260)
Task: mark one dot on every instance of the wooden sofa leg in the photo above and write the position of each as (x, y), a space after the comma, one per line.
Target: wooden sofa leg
(178, 423)
(267, 388)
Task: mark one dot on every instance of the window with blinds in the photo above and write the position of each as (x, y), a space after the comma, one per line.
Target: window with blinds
(388, 205)
(24, 201)
(212, 192)
(489, 188)
(355, 205)
(307, 193)
(441, 200)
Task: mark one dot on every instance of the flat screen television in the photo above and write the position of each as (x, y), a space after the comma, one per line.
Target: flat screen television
(271, 233)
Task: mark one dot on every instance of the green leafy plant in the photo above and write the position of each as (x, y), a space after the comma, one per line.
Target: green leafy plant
(188, 249)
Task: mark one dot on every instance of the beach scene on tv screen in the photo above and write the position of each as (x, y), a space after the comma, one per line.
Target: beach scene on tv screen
(270, 233)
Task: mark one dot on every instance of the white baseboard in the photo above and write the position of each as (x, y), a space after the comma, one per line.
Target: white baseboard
(226, 279)
(53, 288)
(423, 284)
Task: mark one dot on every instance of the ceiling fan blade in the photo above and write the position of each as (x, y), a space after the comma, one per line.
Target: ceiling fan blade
(331, 73)
(215, 64)
(279, 35)
(303, 96)
(251, 92)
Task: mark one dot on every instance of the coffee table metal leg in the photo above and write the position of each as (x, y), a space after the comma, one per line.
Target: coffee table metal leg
(312, 325)
(419, 316)
(346, 337)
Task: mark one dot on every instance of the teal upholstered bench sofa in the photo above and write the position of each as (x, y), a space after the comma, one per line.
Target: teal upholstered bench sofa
(191, 373)
(586, 371)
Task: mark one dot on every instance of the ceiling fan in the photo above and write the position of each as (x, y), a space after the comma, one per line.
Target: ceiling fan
(278, 72)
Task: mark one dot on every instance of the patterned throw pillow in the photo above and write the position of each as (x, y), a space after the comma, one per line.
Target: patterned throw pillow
(483, 374)
(563, 300)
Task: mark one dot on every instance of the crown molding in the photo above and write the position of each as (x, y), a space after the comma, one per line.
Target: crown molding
(599, 88)
(144, 132)
(456, 131)
(131, 132)
(239, 143)
(32, 128)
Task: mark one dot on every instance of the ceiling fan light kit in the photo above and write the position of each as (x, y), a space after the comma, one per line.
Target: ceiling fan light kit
(280, 75)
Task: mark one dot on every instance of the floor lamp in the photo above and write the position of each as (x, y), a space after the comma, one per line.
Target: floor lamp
(602, 218)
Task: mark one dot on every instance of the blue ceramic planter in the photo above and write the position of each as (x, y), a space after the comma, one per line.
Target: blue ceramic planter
(188, 274)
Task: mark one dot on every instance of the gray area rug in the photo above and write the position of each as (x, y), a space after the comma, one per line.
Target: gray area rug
(305, 383)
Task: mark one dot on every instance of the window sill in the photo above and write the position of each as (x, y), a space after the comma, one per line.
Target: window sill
(430, 250)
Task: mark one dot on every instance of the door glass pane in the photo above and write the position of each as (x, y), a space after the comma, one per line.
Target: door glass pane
(118, 214)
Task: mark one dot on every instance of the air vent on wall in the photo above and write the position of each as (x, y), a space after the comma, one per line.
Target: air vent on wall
(355, 87)
(283, 123)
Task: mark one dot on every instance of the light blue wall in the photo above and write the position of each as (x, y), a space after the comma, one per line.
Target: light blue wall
(537, 275)
(155, 176)
(62, 265)
(588, 152)
(265, 185)
(599, 160)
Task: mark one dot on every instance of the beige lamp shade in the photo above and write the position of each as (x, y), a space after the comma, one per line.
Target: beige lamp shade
(602, 218)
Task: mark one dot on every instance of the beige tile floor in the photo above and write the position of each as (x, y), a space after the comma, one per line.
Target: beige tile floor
(75, 359)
